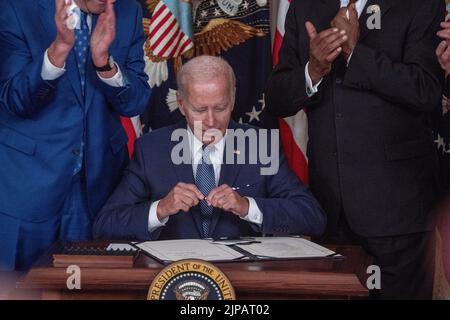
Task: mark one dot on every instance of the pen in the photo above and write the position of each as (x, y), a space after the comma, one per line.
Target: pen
(233, 238)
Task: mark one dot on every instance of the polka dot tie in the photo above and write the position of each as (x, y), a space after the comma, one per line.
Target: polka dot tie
(205, 181)
(82, 38)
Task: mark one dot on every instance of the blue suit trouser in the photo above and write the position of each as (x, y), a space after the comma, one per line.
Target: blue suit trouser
(25, 241)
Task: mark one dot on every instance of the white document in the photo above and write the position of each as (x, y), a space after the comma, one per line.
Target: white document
(251, 249)
(285, 248)
(173, 250)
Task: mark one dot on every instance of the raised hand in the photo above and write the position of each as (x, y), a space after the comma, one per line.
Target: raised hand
(103, 35)
(443, 50)
(65, 37)
(324, 48)
(347, 19)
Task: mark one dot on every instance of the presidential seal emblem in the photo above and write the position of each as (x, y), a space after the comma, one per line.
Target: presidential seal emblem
(191, 280)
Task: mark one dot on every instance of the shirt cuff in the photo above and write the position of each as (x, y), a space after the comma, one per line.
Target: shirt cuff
(49, 71)
(310, 89)
(116, 80)
(254, 214)
(153, 221)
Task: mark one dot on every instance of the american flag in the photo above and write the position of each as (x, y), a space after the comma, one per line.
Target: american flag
(293, 130)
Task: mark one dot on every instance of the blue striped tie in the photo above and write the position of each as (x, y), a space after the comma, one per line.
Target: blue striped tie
(205, 181)
(82, 39)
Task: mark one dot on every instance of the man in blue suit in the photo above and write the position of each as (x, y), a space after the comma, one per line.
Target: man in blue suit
(197, 187)
(63, 87)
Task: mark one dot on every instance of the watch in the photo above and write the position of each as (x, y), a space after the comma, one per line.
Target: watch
(107, 67)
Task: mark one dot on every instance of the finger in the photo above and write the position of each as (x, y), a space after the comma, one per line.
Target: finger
(183, 207)
(326, 33)
(222, 202)
(353, 14)
(441, 48)
(342, 13)
(223, 198)
(191, 195)
(109, 6)
(330, 58)
(184, 201)
(445, 24)
(216, 191)
(193, 188)
(335, 44)
(328, 48)
(446, 55)
(179, 205)
(212, 199)
(444, 34)
(59, 5)
(183, 190)
(61, 9)
(311, 30)
(66, 7)
(224, 194)
(110, 18)
(333, 37)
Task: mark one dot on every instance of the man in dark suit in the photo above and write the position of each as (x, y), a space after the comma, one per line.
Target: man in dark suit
(210, 193)
(63, 88)
(443, 134)
(367, 73)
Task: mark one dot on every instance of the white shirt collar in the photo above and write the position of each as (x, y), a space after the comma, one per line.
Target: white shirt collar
(196, 148)
(360, 4)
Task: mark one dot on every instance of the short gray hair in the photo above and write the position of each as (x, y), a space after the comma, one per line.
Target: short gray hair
(204, 69)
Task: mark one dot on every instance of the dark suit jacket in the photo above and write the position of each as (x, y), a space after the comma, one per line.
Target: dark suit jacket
(286, 204)
(370, 146)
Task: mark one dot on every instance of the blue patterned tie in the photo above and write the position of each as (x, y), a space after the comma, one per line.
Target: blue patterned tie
(205, 181)
(82, 39)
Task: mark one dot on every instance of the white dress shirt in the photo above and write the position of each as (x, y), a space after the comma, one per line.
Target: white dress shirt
(312, 89)
(52, 72)
(216, 156)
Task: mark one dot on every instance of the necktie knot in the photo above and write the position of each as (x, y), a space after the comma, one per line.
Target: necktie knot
(207, 150)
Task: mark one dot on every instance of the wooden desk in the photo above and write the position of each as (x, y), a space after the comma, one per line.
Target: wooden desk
(317, 279)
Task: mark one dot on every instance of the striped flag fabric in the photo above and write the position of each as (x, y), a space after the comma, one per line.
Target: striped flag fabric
(293, 130)
(132, 127)
(166, 36)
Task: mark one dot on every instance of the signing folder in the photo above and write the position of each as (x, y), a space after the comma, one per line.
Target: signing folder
(227, 250)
